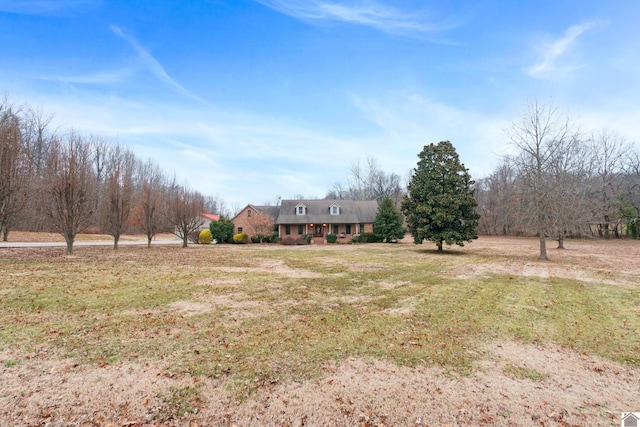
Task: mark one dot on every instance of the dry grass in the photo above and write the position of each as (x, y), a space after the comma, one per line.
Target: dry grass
(345, 335)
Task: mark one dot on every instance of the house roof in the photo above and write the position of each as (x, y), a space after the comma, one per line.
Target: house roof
(318, 211)
(273, 211)
(211, 217)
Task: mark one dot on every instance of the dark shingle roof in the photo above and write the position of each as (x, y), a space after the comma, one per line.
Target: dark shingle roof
(318, 211)
(269, 210)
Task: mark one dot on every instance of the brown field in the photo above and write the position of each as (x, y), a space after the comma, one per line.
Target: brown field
(347, 335)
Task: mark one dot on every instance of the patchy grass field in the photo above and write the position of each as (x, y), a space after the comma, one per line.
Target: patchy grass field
(321, 335)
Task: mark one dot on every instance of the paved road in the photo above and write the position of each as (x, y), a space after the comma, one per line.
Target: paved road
(95, 243)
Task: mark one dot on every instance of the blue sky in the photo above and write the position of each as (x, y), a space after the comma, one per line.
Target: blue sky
(250, 100)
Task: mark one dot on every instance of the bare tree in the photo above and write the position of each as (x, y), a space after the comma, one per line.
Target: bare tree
(37, 136)
(184, 207)
(497, 202)
(262, 225)
(146, 215)
(12, 167)
(70, 187)
(542, 136)
(368, 182)
(568, 175)
(216, 205)
(609, 151)
(118, 191)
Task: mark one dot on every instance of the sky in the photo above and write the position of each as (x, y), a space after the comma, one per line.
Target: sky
(251, 100)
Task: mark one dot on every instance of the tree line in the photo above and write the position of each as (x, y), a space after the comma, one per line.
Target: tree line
(561, 182)
(69, 182)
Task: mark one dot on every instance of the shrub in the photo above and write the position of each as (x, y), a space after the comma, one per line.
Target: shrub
(332, 238)
(205, 237)
(194, 236)
(288, 241)
(221, 230)
(265, 238)
(241, 238)
(366, 238)
(295, 241)
(307, 238)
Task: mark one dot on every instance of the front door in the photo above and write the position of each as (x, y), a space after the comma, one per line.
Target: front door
(318, 231)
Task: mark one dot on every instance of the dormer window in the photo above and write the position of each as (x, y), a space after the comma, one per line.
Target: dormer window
(334, 209)
(301, 209)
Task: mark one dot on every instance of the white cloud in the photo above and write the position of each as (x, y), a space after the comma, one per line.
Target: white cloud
(99, 79)
(243, 157)
(368, 13)
(411, 121)
(154, 66)
(553, 63)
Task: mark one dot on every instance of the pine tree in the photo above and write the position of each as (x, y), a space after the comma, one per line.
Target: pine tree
(440, 203)
(388, 222)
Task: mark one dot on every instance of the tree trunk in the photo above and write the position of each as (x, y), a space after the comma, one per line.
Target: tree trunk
(439, 244)
(560, 243)
(149, 242)
(5, 234)
(116, 238)
(184, 240)
(543, 247)
(69, 240)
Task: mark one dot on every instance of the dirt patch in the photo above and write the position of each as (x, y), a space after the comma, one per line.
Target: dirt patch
(190, 308)
(274, 266)
(573, 389)
(579, 390)
(511, 256)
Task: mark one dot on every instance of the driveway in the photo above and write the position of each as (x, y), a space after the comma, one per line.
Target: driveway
(88, 243)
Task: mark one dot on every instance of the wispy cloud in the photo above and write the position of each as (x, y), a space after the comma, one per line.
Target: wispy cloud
(367, 13)
(410, 121)
(550, 65)
(44, 7)
(103, 78)
(154, 66)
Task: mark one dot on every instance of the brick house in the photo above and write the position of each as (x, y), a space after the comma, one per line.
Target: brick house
(243, 222)
(318, 218)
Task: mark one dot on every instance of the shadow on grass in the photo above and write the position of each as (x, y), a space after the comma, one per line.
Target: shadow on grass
(445, 252)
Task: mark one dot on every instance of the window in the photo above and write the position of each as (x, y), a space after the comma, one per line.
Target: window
(361, 228)
(287, 229)
(334, 209)
(239, 230)
(300, 210)
(300, 229)
(249, 213)
(348, 228)
(335, 228)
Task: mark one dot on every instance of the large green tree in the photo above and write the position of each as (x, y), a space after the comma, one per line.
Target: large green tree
(221, 230)
(388, 222)
(440, 204)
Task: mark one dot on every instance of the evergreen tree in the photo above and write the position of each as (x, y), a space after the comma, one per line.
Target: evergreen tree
(221, 230)
(388, 222)
(440, 202)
